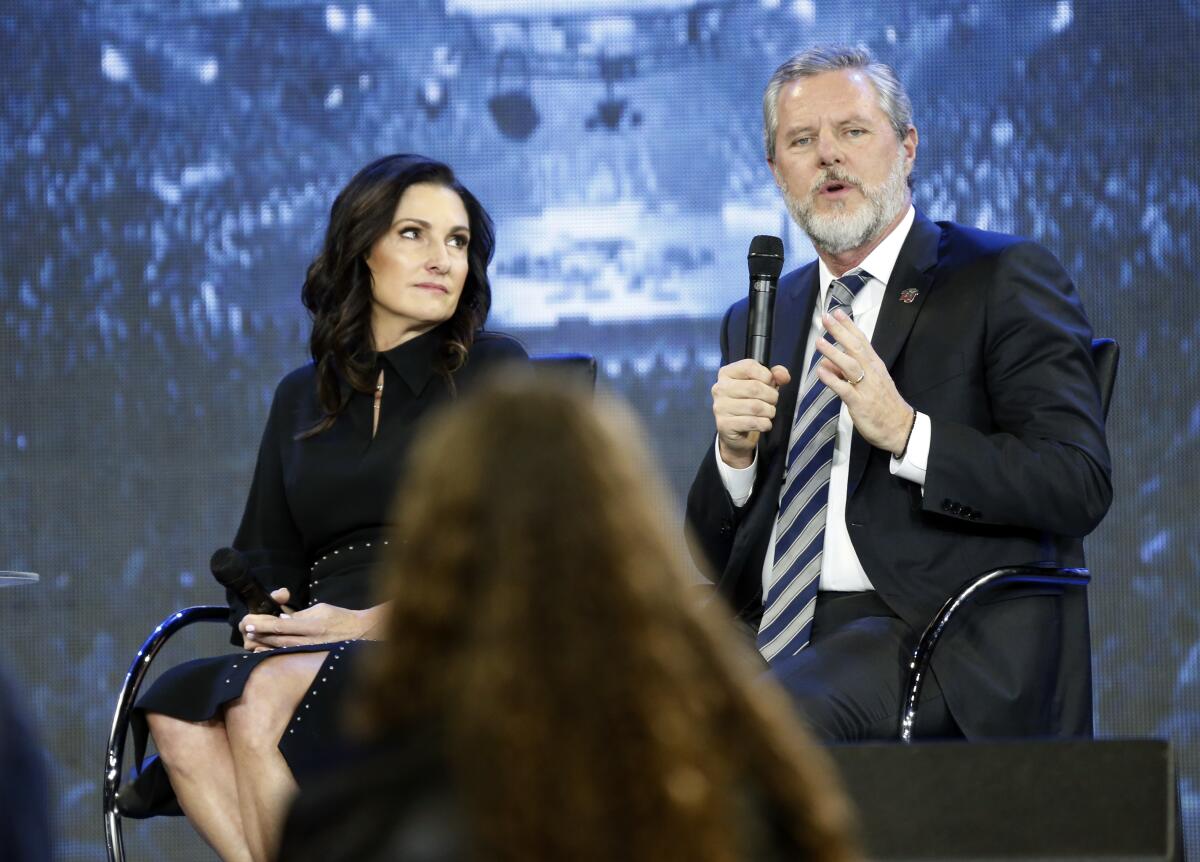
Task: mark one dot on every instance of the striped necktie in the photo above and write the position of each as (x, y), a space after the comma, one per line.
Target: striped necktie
(800, 526)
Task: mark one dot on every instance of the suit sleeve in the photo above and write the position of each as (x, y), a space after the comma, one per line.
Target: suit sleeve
(268, 535)
(1043, 463)
(711, 516)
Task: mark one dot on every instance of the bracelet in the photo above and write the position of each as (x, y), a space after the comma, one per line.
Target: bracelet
(913, 425)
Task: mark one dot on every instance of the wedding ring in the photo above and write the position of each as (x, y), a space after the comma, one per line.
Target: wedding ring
(860, 378)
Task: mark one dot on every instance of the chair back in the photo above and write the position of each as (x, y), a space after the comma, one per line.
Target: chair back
(575, 369)
(1106, 354)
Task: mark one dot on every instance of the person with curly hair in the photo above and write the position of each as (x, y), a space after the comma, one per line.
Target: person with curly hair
(551, 686)
(398, 297)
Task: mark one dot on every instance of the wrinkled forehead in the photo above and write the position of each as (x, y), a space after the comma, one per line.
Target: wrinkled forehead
(842, 95)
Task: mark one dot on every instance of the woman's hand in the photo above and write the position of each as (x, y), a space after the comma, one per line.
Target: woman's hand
(281, 596)
(321, 623)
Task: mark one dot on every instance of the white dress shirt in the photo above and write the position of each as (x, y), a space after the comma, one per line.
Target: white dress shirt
(840, 567)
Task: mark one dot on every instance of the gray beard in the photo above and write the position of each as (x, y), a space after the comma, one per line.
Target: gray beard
(840, 231)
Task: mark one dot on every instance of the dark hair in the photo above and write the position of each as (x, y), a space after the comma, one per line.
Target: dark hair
(337, 287)
(543, 615)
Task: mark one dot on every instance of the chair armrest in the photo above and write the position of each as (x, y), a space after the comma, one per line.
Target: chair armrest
(125, 701)
(918, 666)
(572, 368)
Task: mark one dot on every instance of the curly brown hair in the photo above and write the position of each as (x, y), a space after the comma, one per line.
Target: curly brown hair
(337, 288)
(594, 708)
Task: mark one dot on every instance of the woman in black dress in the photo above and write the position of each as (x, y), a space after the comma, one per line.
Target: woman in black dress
(398, 296)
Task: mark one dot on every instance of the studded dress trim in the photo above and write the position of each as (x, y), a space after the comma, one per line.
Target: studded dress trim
(329, 667)
(326, 562)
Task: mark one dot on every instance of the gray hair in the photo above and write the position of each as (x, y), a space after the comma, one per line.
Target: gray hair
(830, 58)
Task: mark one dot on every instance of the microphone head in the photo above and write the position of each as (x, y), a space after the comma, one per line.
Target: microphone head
(766, 257)
(227, 564)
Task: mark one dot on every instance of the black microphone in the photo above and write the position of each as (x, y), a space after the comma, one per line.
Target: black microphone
(766, 262)
(232, 571)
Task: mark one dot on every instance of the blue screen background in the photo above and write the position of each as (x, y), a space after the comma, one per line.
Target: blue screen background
(166, 169)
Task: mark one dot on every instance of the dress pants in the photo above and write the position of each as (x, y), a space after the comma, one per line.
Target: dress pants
(849, 681)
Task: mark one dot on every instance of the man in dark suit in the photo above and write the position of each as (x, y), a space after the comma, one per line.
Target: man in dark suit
(934, 414)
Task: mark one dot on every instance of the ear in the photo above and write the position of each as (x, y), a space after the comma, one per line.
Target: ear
(909, 145)
(775, 173)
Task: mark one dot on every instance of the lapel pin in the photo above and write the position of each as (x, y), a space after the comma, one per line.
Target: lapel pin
(909, 294)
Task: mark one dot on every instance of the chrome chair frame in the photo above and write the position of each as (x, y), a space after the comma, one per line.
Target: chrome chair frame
(113, 838)
(918, 666)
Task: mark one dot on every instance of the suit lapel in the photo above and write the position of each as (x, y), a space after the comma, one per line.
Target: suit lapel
(907, 290)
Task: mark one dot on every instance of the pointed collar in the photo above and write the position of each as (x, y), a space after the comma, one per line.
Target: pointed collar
(413, 360)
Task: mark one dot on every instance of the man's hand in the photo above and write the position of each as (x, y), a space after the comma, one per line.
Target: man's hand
(744, 399)
(858, 376)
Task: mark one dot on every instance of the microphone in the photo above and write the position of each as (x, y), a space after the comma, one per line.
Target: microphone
(766, 262)
(231, 570)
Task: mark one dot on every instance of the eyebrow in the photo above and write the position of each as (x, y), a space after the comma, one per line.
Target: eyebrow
(855, 120)
(427, 225)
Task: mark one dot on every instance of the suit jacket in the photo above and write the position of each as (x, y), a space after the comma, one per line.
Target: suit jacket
(995, 348)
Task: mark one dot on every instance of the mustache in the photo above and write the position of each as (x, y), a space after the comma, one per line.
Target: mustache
(834, 176)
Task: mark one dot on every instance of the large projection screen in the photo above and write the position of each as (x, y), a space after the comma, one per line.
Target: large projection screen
(167, 168)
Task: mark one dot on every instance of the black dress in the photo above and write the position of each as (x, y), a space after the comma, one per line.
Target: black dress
(314, 522)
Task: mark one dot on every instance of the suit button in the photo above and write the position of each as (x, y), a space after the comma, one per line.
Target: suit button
(947, 505)
(976, 514)
(726, 528)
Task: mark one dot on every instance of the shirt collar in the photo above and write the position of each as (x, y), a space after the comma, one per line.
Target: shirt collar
(413, 360)
(882, 260)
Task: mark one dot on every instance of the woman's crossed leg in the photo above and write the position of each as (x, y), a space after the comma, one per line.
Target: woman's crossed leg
(228, 774)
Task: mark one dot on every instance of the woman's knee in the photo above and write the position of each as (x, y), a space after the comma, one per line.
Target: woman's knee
(168, 730)
(269, 698)
(161, 726)
(179, 742)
